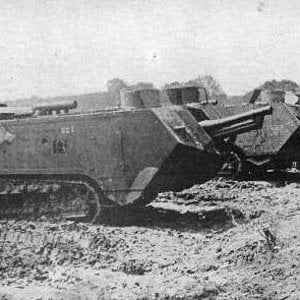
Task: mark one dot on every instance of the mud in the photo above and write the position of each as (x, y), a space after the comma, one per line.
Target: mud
(220, 240)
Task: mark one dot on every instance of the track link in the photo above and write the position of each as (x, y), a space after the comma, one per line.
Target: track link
(57, 199)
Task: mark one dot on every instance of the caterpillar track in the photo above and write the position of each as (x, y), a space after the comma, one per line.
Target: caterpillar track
(33, 198)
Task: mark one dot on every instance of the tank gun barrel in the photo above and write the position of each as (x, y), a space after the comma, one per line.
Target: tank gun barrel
(48, 109)
(233, 125)
(15, 112)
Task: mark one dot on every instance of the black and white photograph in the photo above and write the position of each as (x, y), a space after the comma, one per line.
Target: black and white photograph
(149, 150)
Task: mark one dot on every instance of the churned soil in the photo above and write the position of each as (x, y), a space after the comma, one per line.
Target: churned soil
(220, 240)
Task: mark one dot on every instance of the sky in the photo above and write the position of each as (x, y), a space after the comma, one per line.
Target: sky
(63, 47)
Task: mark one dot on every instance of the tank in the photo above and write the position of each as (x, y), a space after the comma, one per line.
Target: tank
(275, 146)
(66, 165)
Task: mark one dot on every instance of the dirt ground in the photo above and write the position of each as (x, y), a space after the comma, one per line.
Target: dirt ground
(220, 240)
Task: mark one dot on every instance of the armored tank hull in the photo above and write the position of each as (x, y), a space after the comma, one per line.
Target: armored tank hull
(274, 146)
(61, 165)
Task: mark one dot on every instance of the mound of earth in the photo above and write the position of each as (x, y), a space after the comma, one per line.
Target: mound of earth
(220, 240)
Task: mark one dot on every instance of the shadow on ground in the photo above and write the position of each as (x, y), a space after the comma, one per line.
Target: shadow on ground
(217, 218)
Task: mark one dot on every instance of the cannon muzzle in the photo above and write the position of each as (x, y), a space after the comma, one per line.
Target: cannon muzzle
(233, 125)
(49, 109)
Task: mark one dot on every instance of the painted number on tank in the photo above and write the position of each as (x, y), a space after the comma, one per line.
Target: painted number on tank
(67, 129)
